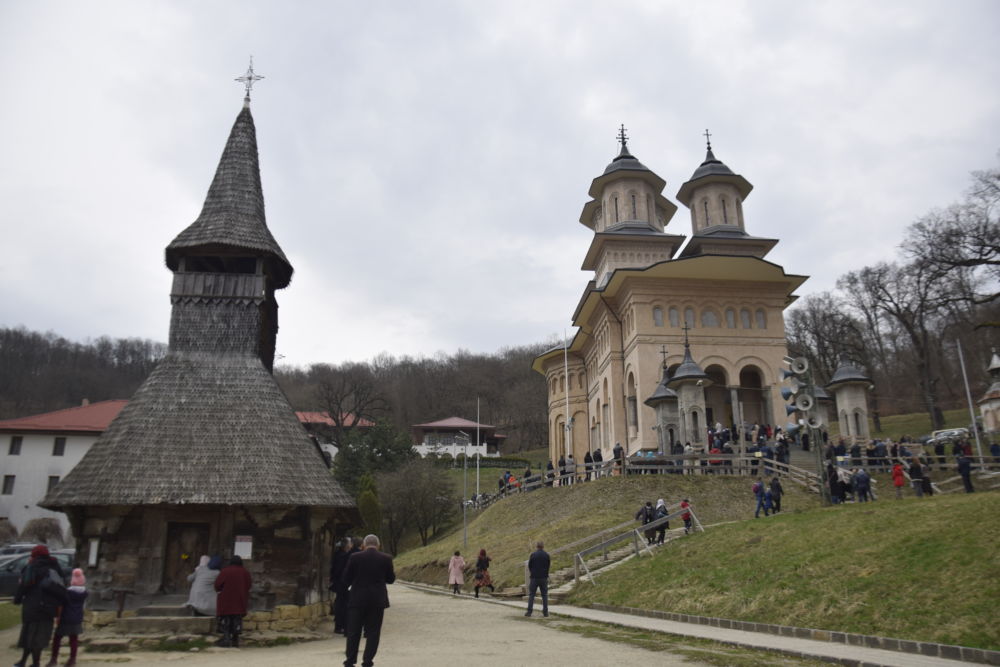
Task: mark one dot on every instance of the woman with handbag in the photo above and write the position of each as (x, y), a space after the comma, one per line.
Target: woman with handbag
(483, 579)
(40, 592)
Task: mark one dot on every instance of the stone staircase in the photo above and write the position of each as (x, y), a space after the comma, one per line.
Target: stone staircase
(167, 615)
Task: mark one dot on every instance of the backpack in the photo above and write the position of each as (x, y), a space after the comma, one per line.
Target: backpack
(756, 488)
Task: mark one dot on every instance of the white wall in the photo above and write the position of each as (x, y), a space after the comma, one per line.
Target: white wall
(32, 469)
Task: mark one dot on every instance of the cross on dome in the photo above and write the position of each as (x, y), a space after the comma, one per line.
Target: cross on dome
(248, 79)
(623, 137)
(708, 138)
(663, 351)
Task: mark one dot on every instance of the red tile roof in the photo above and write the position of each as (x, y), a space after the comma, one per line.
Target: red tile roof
(93, 418)
(325, 419)
(96, 417)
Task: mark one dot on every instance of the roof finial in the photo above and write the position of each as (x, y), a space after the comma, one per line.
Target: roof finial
(623, 138)
(708, 138)
(663, 351)
(248, 79)
(686, 328)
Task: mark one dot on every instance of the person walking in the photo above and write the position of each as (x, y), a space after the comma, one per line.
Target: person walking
(862, 485)
(898, 479)
(71, 619)
(619, 455)
(538, 578)
(588, 464)
(550, 474)
(40, 592)
(456, 573)
(366, 575)
(917, 477)
(646, 515)
(483, 579)
(233, 599)
(201, 598)
(661, 513)
(598, 463)
(965, 470)
(758, 492)
(686, 517)
(776, 492)
(337, 587)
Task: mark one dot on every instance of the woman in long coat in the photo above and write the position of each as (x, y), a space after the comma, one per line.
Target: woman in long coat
(40, 593)
(483, 578)
(232, 601)
(456, 573)
(202, 596)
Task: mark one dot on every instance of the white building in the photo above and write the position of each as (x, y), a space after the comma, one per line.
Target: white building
(38, 451)
(454, 436)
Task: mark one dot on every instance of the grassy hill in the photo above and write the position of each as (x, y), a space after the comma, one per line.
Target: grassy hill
(913, 424)
(509, 529)
(917, 568)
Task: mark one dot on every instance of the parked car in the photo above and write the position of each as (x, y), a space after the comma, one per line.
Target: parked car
(16, 548)
(949, 434)
(10, 571)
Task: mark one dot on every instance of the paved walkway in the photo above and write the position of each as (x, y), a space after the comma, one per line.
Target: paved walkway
(808, 647)
(428, 626)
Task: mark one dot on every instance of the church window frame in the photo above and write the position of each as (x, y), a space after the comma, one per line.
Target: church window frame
(657, 316)
(615, 197)
(745, 319)
(635, 208)
(710, 319)
(730, 318)
(675, 317)
(689, 318)
(708, 220)
(761, 318)
(725, 211)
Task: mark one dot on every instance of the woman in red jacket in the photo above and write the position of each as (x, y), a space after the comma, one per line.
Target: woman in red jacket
(232, 599)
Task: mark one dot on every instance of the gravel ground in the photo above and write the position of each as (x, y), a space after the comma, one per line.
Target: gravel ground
(420, 629)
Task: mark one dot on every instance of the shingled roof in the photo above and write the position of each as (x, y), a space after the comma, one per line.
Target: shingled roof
(233, 214)
(210, 426)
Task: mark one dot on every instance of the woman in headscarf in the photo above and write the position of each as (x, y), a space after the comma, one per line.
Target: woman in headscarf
(659, 513)
(202, 596)
(40, 592)
(483, 579)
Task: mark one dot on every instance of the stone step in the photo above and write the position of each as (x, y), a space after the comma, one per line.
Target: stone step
(160, 610)
(139, 625)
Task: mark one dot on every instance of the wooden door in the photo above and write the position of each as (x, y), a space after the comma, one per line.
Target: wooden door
(186, 544)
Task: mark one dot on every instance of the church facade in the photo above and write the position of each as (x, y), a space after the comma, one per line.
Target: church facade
(650, 295)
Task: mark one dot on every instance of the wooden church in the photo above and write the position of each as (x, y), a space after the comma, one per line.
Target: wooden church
(208, 457)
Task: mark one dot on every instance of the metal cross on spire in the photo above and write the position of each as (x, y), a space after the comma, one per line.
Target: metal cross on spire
(708, 138)
(248, 79)
(686, 328)
(623, 137)
(663, 351)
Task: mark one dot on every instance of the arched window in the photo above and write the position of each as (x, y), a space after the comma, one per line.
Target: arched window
(583, 380)
(730, 318)
(709, 318)
(657, 317)
(689, 317)
(553, 385)
(635, 213)
(725, 211)
(704, 203)
(761, 318)
(745, 318)
(675, 318)
(616, 208)
(857, 424)
(562, 385)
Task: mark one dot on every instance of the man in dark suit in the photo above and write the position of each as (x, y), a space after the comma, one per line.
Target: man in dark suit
(367, 573)
(538, 571)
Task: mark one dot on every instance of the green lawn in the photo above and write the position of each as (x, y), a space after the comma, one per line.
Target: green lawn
(508, 529)
(914, 424)
(917, 568)
(10, 615)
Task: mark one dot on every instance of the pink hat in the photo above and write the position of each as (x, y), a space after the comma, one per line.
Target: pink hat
(77, 579)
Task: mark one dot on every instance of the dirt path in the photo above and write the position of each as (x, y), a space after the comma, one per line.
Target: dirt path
(420, 629)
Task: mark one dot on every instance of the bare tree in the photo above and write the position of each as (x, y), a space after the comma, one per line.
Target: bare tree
(349, 394)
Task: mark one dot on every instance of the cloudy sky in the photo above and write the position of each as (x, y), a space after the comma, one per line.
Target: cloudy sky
(425, 163)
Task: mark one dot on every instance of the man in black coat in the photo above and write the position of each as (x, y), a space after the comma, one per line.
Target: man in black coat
(965, 470)
(367, 574)
(337, 567)
(538, 571)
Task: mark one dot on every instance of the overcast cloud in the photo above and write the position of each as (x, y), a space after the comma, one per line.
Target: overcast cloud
(425, 163)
